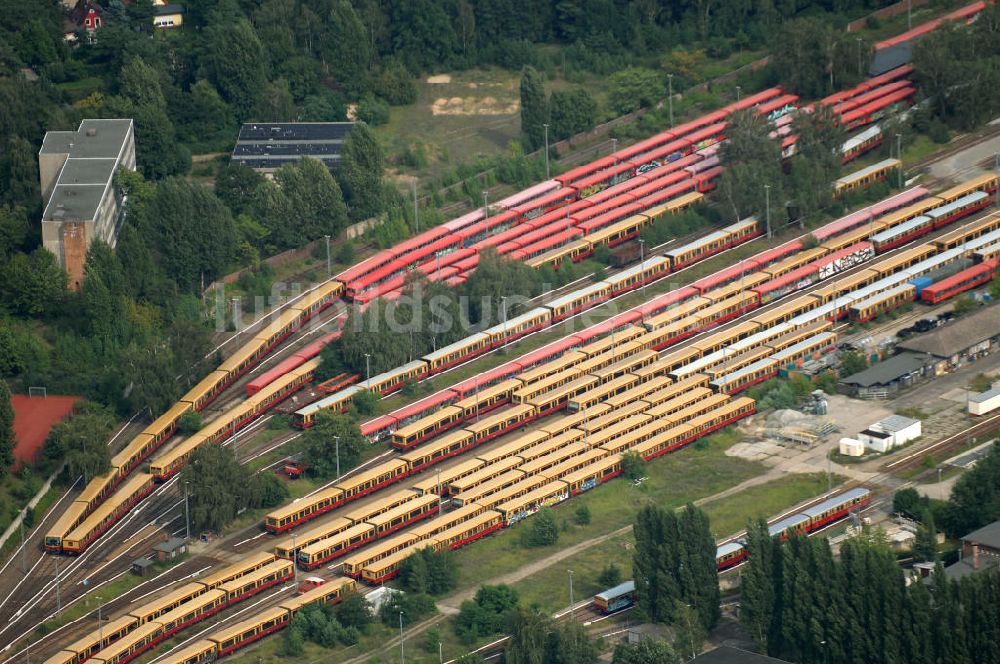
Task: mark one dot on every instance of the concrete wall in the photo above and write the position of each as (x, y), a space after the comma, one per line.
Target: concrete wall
(49, 166)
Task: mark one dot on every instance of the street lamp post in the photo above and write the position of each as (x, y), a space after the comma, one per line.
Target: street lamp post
(486, 204)
(858, 40)
(642, 259)
(670, 97)
(738, 91)
(416, 206)
(187, 513)
(327, 254)
(236, 314)
(899, 153)
(336, 447)
(503, 313)
(546, 125)
(402, 655)
(767, 206)
(368, 367)
(570, 592)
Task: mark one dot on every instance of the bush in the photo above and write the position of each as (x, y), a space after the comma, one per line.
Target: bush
(372, 110)
(345, 253)
(542, 530)
(486, 614)
(610, 576)
(582, 515)
(414, 606)
(632, 466)
(189, 423)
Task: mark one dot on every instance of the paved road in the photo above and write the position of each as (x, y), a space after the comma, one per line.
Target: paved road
(965, 164)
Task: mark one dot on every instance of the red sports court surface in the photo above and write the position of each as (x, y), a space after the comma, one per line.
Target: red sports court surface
(33, 418)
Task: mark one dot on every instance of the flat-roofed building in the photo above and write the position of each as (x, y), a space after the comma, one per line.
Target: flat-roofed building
(267, 146)
(76, 170)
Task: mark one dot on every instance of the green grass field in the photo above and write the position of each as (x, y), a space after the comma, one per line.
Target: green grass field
(549, 588)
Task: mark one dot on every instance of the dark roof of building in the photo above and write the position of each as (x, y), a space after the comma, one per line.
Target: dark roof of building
(730, 655)
(142, 562)
(988, 535)
(956, 336)
(162, 10)
(294, 131)
(964, 567)
(889, 58)
(271, 145)
(169, 545)
(890, 370)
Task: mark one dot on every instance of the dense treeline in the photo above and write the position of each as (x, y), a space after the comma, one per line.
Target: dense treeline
(754, 171)
(676, 577)
(219, 488)
(432, 315)
(973, 503)
(958, 69)
(801, 604)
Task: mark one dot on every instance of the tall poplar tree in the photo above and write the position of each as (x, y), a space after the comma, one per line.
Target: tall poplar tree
(7, 441)
(534, 109)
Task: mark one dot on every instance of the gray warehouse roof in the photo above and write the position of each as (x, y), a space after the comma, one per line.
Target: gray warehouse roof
(895, 423)
(982, 397)
(955, 337)
(888, 371)
(988, 535)
(92, 152)
(270, 145)
(730, 655)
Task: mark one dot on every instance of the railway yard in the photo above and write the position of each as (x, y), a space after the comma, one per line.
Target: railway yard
(650, 359)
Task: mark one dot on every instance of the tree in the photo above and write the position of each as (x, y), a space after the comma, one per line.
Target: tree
(344, 48)
(582, 515)
(634, 88)
(689, 634)
(674, 562)
(82, 441)
(757, 612)
(319, 445)
(275, 103)
(964, 304)
(569, 643)
(975, 498)
(191, 231)
(925, 542)
(189, 423)
(852, 362)
(633, 466)
(571, 112)
(542, 530)
(610, 576)
(487, 614)
(234, 59)
(34, 285)
(313, 198)
(528, 636)
(647, 651)
(534, 109)
(294, 643)
(219, 487)
(205, 113)
(908, 501)
(751, 160)
(360, 173)
(354, 611)
(7, 440)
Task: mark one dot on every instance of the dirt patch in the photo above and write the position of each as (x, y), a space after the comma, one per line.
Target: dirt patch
(474, 106)
(33, 418)
(439, 79)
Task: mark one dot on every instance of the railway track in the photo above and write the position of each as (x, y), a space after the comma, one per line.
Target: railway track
(132, 531)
